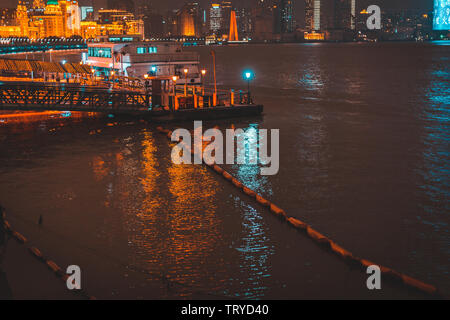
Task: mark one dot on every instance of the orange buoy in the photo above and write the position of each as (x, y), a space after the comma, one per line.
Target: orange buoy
(297, 223)
(261, 200)
(218, 169)
(340, 251)
(7, 225)
(53, 266)
(237, 183)
(278, 211)
(317, 236)
(419, 285)
(227, 176)
(19, 237)
(36, 252)
(249, 192)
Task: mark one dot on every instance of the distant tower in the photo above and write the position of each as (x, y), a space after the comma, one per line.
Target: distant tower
(233, 27)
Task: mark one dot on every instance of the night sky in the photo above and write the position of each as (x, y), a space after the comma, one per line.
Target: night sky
(165, 5)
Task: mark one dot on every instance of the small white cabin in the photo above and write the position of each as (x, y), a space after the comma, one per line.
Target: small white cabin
(136, 59)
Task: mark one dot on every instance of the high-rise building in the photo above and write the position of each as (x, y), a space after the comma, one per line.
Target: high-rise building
(87, 13)
(284, 17)
(344, 14)
(71, 17)
(53, 25)
(311, 23)
(315, 19)
(22, 19)
(215, 18)
(244, 22)
(7, 16)
(187, 17)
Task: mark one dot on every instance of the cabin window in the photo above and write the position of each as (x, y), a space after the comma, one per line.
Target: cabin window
(142, 50)
(99, 52)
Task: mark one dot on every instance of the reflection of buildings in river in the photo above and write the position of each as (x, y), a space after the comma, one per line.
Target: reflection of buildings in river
(193, 222)
(435, 140)
(254, 245)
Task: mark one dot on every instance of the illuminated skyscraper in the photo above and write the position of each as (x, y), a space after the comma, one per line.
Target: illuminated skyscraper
(22, 19)
(215, 18)
(53, 24)
(186, 21)
(313, 15)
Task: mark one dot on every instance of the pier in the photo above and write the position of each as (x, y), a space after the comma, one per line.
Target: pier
(48, 86)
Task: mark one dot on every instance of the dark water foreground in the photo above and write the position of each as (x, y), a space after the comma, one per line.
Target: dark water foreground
(364, 159)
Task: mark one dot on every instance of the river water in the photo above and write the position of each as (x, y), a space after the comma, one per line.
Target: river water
(364, 159)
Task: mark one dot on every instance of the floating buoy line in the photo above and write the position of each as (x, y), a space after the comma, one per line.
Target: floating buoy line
(53, 266)
(313, 234)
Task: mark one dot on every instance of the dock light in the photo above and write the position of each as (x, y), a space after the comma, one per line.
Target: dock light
(146, 76)
(153, 69)
(63, 62)
(174, 78)
(248, 76)
(203, 73)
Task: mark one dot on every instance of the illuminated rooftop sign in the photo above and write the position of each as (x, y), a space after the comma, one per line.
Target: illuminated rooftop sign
(441, 20)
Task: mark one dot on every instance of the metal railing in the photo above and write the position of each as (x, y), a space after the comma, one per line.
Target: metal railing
(16, 96)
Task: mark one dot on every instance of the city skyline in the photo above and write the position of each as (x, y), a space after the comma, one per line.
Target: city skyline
(299, 5)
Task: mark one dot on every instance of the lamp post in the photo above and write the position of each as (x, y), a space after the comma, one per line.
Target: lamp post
(248, 75)
(174, 101)
(93, 75)
(203, 73)
(213, 53)
(174, 79)
(112, 79)
(185, 82)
